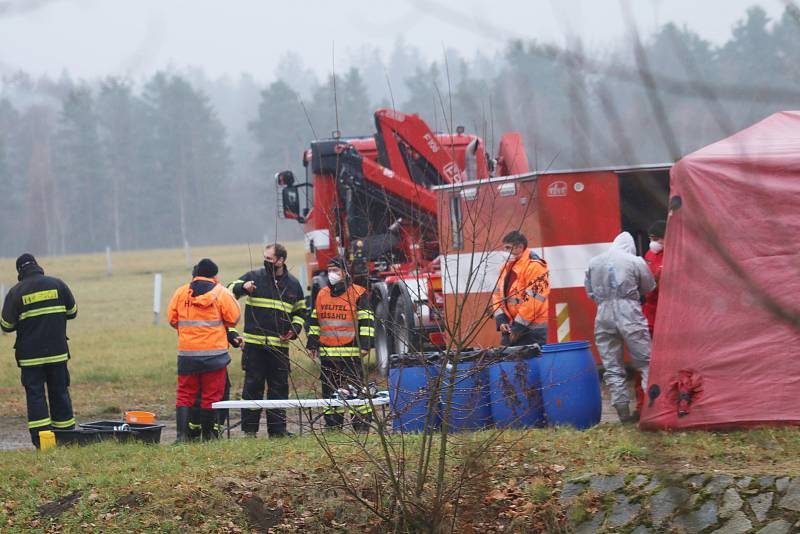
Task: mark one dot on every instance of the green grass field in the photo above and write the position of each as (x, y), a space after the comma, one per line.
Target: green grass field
(238, 485)
(120, 360)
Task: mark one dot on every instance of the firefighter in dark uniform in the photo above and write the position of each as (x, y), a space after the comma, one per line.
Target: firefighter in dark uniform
(275, 312)
(38, 308)
(341, 329)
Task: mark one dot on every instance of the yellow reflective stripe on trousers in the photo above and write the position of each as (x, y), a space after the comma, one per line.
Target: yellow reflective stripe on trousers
(366, 331)
(40, 422)
(340, 351)
(264, 340)
(63, 424)
(42, 311)
(365, 314)
(269, 303)
(41, 361)
(361, 410)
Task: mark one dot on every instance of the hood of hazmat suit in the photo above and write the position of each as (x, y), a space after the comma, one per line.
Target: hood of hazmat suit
(619, 273)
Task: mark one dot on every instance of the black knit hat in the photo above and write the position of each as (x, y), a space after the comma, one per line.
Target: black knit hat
(206, 268)
(25, 259)
(658, 229)
(337, 261)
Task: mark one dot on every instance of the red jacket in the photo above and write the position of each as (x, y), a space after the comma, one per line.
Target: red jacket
(654, 261)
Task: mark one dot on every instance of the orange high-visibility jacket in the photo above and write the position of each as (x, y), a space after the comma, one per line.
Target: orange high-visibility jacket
(338, 316)
(524, 299)
(343, 324)
(203, 321)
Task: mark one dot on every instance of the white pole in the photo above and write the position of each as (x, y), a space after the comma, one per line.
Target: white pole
(109, 270)
(156, 297)
(303, 276)
(188, 252)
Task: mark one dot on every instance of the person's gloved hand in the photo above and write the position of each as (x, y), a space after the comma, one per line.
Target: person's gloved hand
(289, 335)
(234, 339)
(501, 320)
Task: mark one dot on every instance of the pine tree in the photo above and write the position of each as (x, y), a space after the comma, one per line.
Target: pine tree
(83, 191)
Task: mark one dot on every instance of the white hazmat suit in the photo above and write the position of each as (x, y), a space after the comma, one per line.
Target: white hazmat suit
(616, 280)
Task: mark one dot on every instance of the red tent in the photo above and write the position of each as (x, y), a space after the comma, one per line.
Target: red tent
(727, 340)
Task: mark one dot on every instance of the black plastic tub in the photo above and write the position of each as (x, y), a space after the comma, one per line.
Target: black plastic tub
(145, 433)
(81, 436)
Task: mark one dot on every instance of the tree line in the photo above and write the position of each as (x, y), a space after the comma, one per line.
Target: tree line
(181, 158)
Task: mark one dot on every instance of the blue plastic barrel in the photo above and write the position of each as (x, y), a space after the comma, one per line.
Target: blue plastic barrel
(470, 404)
(412, 387)
(570, 385)
(515, 392)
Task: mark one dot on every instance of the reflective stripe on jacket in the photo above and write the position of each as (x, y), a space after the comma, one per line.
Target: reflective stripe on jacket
(37, 309)
(523, 299)
(338, 316)
(275, 307)
(341, 324)
(202, 320)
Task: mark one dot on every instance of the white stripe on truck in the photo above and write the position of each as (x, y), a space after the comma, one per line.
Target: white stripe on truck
(477, 272)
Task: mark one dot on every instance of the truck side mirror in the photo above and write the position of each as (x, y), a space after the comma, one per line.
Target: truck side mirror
(285, 178)
(291, 202)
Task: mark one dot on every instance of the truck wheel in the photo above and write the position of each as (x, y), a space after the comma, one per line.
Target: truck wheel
(406, 337)
(383, 340)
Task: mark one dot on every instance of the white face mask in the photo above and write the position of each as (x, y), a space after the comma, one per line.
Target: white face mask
(656, 247)
(334, 278)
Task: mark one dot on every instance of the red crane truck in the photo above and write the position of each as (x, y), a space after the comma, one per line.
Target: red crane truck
(371, 199)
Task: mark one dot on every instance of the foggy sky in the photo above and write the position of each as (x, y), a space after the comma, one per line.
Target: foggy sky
(92, 38)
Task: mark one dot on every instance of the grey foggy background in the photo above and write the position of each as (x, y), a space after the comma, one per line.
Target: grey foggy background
(94, 38)
(144, 124)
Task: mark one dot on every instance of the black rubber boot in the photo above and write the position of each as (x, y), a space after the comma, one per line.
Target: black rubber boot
(624, 414)
(182, 424)
(208, 420)
(194, 428)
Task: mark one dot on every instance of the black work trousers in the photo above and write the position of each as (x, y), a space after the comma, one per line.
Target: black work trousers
(529, 338)
(221, 418)
(341, 372)
(265, 365)
(59, 416)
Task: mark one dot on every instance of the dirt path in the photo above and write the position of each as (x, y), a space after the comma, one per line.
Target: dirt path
(14, 430)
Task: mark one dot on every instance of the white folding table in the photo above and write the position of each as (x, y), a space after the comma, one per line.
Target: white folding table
(299, 404)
